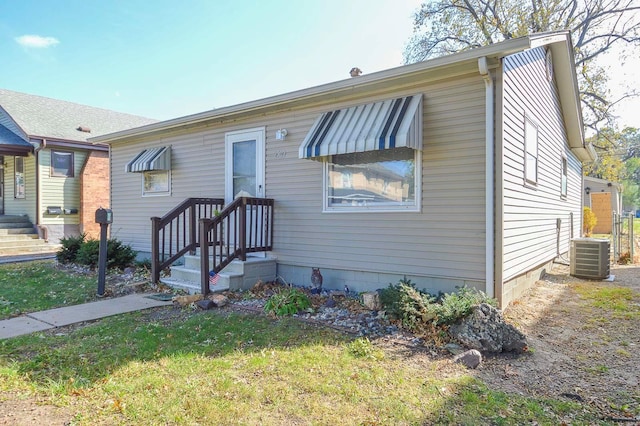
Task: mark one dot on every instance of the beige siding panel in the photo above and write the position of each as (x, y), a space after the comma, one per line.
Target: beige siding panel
(446, 239)
(58, 191)
(20, 206)
(531, 211)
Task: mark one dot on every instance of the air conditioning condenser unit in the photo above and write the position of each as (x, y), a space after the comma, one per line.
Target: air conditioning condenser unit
(590, 258)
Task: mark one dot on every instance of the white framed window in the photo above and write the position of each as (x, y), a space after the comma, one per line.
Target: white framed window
(156, 182)
(19, 178)
(531, 151)
(563, 178)
(61, 164)
(386, 180)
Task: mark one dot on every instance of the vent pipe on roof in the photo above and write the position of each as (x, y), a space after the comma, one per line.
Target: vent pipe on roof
(355, 72)
(83, 129)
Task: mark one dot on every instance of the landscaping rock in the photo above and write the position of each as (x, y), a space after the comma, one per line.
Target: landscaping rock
(470, 359)
(330, 303)
(186, 300)
(371, 301)
(219, 300)
(454, 348)
(205, 304)
(128, 272)
(486, 330)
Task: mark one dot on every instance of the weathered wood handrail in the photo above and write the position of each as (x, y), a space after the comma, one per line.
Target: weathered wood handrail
(244, 226)
(175, 233)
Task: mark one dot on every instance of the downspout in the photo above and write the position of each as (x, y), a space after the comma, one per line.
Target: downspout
(488, 180)
(41, 228)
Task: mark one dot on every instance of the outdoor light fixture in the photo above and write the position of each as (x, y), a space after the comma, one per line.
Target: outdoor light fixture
(280, 134)
(587, 190)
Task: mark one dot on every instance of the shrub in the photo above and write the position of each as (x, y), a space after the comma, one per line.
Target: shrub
(589, 221)
(419, 311)
(455, 306)
(119, 255)
(69, 250)
(143, 264)
(287, 301)
(409, 305)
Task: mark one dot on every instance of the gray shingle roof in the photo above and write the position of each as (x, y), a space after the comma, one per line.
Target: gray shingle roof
(53, 118)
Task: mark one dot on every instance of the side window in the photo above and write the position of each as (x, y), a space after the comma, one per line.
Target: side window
(156, 182)
(19, 177)
(61, 164)
(531, 151)
(563, 178)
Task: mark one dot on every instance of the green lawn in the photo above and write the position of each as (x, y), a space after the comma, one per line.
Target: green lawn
(210, 368)
(184, 367)
(36, 286)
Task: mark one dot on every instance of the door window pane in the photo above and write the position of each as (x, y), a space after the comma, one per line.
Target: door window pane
(244, 169)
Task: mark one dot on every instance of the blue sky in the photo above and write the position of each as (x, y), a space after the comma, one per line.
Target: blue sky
(164, 59)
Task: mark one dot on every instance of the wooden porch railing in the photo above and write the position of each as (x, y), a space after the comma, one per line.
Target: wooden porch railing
(244, 226)
(175, 234)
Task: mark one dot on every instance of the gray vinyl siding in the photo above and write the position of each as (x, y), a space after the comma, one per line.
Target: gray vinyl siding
(531, 211)
(20, 206)
(445, 240)
(59, 191)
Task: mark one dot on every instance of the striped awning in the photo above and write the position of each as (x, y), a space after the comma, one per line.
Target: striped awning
(151, 159)
(393, 123)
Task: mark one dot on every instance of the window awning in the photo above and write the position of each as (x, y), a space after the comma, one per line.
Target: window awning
(393, 123)
(151, 159)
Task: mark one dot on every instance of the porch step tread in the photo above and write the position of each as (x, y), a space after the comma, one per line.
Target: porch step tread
(13, 218)
(18, 237)
(17, 231)
(14, 225)
(27, 244)
(192, 287)
(29, 249)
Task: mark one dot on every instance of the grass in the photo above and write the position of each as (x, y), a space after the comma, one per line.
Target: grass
(636, 226)
(210, 368)
(615, 299)
(182, 367)
(36, 286)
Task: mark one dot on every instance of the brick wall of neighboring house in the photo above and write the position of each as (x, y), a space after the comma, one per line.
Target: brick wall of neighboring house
(94, 192)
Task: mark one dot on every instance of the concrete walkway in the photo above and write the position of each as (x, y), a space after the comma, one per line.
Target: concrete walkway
(59, 317)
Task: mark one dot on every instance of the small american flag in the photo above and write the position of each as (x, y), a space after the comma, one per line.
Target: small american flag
(213, 278)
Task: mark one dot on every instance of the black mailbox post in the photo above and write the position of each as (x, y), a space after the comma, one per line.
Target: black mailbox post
(104, 217)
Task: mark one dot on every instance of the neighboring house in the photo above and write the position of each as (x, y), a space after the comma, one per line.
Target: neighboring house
(49, 172)
(461, 170)
(604, 198)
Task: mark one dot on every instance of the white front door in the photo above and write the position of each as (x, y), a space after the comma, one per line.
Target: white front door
(244, 155)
